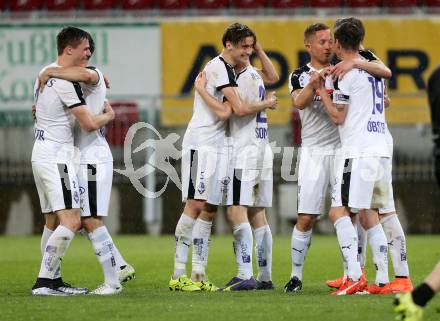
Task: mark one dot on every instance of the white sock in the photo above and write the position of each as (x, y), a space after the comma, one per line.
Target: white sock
(183, 235)
(263, 252)
(200, 240)
(56, 248)
(103, 245)
(44, 237)
(396, 244)
(243, 242)
(362, 242)
(120, 262)
(347, 239)
(300, 244)
(379, 250)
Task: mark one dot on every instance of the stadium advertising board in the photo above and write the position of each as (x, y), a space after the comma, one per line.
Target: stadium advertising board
(405, 45)
(131, 63)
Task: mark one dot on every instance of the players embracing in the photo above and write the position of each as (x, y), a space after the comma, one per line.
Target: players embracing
(211, 177)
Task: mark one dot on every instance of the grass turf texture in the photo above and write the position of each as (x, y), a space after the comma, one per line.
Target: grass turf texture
(148, 297)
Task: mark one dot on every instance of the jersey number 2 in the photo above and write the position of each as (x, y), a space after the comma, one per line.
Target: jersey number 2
(261, 94)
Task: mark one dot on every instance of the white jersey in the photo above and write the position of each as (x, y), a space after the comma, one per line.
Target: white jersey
(54, 121)
(249, 133)
(317, 129)
(93, 145)
(364, 131)
(205, 128)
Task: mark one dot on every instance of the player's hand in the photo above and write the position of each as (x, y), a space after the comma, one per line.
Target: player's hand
(325, 72)
(271, 100)
(42, 80)
(107, 82)
(339, 71)
(257, 47)
(315, 80)
(34, 112)
(200, 82)
(108, 109)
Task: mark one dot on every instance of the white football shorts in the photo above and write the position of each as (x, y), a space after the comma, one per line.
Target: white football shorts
(95, 187)
(203, 170)
(362, 183)
(315, 175)
(57, 186)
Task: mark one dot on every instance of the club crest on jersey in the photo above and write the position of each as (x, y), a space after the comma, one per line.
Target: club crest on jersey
(304, 79)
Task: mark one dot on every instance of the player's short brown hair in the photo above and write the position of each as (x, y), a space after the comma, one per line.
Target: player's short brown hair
(72, 36)
(353, 20)
(314, 28)
(236, 33)
(349, 34)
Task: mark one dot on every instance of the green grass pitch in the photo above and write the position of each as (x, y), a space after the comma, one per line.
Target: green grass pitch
(148, 297)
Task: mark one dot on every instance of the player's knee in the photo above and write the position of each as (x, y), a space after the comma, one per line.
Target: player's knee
(91, 223)
(305, 222)
(193, 208)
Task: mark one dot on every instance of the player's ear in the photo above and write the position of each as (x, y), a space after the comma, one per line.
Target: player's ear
(68, 50)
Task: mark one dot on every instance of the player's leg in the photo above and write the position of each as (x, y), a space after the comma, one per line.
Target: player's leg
(60, 185)
(263, 246)
(397, 249)
(396, 241)
(367, 188)
(103, 245)
(201, 241)
(243, 244)
(379, 249)
(345, 231)
(300, 243)
(51, 223)
(362, 250)
(194, 195)
(95, 181)
(410, 305)
(183, 238)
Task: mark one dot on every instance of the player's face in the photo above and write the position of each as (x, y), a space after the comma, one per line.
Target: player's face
(320, 46)
(242, 51)
(81, 54)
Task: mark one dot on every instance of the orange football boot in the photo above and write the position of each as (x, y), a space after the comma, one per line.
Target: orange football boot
(351, 287)
(401, 285)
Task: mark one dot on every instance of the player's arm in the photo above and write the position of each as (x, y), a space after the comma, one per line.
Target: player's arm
(337, 111)
(301, 98)
(386, 97)
(88, 122)
(369, 62)
(72, 97)
(80, 74)
(243, 108)
(268, 72)
(222, 110)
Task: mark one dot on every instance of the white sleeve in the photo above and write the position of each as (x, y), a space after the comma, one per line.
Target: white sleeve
(222, 75)
(341, 94)
(69, 92)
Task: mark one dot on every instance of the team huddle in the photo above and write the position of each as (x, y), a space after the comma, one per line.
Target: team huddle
(346, 153)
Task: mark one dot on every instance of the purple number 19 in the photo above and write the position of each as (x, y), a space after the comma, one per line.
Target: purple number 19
(377, 90)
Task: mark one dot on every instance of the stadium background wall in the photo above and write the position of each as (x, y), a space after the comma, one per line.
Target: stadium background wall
(152, 65)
